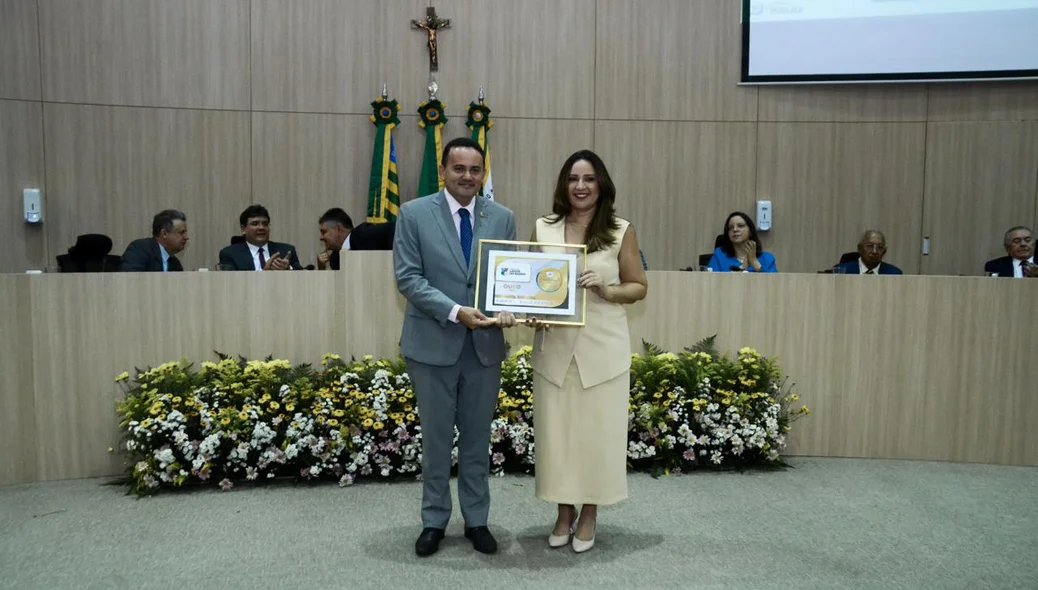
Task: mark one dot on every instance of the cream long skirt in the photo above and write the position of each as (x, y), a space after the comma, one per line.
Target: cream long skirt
(580, 438)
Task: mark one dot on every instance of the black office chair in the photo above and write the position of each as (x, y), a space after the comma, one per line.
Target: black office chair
(849, 257)
(704, 259)
(237, 239)
(90, 253)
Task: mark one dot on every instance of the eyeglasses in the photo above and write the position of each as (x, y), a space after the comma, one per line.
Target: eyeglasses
(1018, 241)
(874, 247)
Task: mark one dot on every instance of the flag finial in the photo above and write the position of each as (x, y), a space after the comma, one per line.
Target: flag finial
(480, 95)
(385, 91)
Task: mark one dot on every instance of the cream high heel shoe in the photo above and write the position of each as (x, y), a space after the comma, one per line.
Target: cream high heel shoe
(580, 546)
(556, 541)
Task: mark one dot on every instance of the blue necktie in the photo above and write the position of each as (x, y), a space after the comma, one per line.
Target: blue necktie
(466, 234)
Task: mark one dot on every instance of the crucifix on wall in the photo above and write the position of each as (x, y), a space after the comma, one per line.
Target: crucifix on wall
(431, 24)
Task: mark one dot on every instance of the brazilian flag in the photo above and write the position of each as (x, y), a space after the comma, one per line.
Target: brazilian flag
(433, 118)
(479, 124)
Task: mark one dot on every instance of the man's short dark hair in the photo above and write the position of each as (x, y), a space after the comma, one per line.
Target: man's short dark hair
(252, 211)
(1005, 239)
(163, 220)
(336, 215)
(461, 142)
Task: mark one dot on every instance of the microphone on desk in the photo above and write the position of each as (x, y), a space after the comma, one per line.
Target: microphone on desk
(735, 268)
(309, 267)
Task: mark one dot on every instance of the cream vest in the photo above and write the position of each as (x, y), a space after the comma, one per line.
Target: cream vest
(602, 348)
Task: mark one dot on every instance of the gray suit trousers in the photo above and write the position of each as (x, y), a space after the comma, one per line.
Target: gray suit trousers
(463, 394)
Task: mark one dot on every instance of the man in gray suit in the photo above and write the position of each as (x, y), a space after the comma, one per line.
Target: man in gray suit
(453, 351)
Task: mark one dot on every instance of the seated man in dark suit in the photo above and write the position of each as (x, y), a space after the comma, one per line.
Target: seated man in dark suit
(158, 253)
(257, 252)
(871, 249)
(338, 233)
(1019, 243)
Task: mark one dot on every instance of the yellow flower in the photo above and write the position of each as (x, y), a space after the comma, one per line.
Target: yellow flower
(410, 417)
(122, 377)
(794, 397)
(274, 406)
(333, 422)
(176, 399)
(367, 423)
(501, 394)
(243, 416)
(290, 407)
(672, 395)
(657, 395)
(378, 426)
(146, 423)
(225, 420)
(408, 408)
(805, 411)
(155, 410)
(339, 413)
(409, 394)
(265, 398)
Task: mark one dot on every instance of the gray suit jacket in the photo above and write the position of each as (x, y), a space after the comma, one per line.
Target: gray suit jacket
(431, 273)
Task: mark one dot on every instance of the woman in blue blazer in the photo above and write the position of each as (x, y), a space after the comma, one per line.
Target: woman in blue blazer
(739, 249)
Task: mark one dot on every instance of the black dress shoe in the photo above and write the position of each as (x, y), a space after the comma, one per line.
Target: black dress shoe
(428, 542)
(481, 538)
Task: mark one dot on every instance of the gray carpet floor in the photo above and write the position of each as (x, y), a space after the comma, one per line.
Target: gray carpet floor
(826, 523)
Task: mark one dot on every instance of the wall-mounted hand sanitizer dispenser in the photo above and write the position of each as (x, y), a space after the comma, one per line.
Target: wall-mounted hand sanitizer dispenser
(33, 204)
(764, 215)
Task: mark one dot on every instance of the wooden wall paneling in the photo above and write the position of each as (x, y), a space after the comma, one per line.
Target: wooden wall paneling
(984, 101)
(19, 50)
(676, 182)
(980, 181)
(535, 58)
(842, 103)
(17, 404)
(526, 156)
(21, 166)
(671, 59)
(304, 164)
(111, 169)
(829, 182)
(166, 53)
(332, 56)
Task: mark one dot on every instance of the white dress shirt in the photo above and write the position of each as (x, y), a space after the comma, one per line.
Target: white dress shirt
(255, 255)
(455, 206)
(862, 269)
(1018, 267)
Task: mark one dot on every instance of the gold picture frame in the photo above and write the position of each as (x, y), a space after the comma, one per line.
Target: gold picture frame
(537, 279)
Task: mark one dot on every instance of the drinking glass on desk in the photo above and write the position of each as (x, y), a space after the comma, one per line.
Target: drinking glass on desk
(839, 270)
(705, 269)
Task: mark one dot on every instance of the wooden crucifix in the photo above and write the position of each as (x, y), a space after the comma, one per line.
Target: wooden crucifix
(431, 24)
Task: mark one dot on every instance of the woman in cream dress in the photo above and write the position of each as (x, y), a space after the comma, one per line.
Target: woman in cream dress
(581, 377)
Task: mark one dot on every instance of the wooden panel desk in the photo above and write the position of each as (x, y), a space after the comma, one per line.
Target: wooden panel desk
(912, 367)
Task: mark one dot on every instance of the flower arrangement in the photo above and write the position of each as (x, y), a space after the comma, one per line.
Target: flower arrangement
(237, 420)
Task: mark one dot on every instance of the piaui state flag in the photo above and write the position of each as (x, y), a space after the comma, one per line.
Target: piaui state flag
(384, 189)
